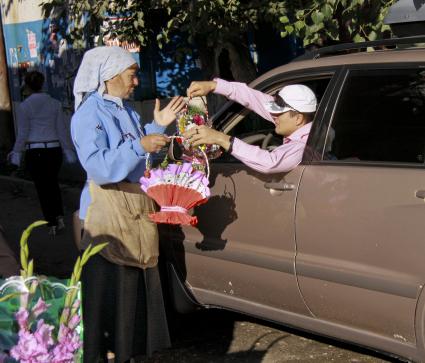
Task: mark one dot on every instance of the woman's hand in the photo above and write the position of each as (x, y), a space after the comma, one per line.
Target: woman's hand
(200, 135)
(153, 143)
(168, 114)
(200, 88)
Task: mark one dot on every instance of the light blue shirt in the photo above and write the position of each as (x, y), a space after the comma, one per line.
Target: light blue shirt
(106, 135)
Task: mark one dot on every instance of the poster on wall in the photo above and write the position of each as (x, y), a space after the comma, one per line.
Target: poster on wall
(32, 44)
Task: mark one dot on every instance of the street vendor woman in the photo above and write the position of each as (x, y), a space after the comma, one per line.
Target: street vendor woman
(122, 298)
(291, 110)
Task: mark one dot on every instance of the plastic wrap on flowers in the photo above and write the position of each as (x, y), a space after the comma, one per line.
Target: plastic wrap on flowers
(192, 117)
(40, 317)
(31, 329)
(176, 189)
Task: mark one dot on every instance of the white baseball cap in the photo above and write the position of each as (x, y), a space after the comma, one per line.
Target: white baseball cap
(293, 97)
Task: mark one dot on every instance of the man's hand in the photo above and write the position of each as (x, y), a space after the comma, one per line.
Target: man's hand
(168, 114)
(154, 142)
(200, 135)
(201, 88)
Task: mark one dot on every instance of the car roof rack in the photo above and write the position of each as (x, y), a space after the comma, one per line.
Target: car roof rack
(341, 48)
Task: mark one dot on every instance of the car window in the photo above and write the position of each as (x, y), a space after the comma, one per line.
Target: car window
(380, 117)
(250, 124)
(255, 130)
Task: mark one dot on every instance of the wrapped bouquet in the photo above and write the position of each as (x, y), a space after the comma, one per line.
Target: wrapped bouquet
(190, 117)
(40, 317)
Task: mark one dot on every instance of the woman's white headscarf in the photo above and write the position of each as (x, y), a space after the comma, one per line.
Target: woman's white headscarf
(99, 65)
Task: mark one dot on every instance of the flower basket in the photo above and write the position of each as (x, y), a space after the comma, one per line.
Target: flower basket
(176, 189)
(40, 317)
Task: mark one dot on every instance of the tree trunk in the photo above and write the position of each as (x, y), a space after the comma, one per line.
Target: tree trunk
(228, 59)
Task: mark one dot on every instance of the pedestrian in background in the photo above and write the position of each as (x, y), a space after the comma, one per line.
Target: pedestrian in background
(122, 297)
(43, 137)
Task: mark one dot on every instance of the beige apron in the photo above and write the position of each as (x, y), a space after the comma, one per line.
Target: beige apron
(119, 214)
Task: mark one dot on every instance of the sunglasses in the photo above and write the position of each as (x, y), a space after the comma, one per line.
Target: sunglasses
(281, 102)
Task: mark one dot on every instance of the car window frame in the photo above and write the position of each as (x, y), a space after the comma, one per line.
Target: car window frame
(275, 82)
(330, 114)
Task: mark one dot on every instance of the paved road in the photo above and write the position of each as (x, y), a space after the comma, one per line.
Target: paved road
(213, 336)
(219, 336)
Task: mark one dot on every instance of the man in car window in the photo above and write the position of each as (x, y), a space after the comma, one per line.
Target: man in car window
(291, 110)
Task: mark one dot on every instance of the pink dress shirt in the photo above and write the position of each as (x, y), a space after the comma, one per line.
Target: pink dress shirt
(282, 159)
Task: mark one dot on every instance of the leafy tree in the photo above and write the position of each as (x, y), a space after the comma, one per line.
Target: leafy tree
(323, 22)
(218, 28)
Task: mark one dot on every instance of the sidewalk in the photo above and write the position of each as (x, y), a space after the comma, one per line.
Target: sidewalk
(19, 207)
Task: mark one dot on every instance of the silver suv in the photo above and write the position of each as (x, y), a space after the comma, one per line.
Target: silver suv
(337, 245)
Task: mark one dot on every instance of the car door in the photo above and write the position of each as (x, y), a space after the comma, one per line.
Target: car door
(360, 210)
(241, 253)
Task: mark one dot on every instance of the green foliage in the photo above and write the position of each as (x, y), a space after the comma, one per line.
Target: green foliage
(27, 270)
(156, 21)
(214, 25)
(27, 266)
(69, 308)
(211, 25)
(324, 21)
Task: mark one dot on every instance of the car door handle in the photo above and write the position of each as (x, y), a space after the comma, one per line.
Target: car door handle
(420, 194)
(279, 186)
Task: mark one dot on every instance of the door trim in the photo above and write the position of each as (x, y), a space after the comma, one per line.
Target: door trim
(358, 275)
(283, 262)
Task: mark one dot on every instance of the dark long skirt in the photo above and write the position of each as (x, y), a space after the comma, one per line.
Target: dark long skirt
(43, 166)
(123, 312)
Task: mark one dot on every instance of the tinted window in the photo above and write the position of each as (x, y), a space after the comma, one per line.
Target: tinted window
(380, 117)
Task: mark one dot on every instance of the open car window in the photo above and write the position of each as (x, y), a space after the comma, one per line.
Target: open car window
(251, 128)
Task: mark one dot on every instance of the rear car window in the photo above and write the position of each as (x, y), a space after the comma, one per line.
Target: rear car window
(380, 117)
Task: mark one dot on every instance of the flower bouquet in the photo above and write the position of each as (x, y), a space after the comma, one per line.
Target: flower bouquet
(40, 317)
(180, 186)
(193, 116)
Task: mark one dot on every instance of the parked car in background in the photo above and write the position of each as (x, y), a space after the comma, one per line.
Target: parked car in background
(337, 245)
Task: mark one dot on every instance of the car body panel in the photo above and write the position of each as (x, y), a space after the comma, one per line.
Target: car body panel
(333, 62)
(224, 255)
(360, 246)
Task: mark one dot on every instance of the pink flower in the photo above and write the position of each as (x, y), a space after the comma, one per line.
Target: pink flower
(65, 314)
(43, 334)
(24, 299)
(22, 318)
(68, 344)
(198, 119)
(76, 304)
(32, 347)
(39, 308)
(28, 349)
(74, 321)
